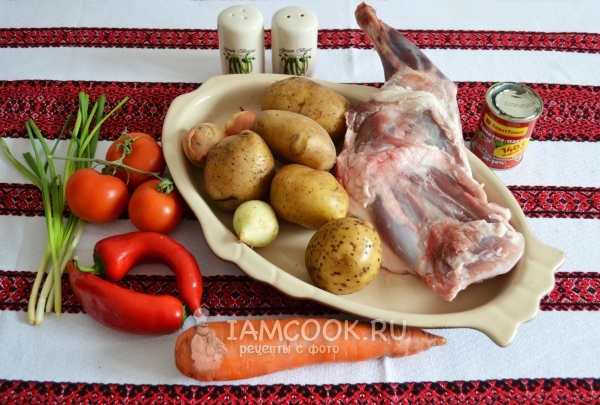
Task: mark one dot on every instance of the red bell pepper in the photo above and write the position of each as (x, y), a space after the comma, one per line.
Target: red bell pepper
(116, 255)
(125, 310)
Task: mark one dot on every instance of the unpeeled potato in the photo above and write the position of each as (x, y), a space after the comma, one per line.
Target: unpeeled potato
(309, 98)
(294, 138)
(307, 197)
(344, 255)
(238, 168)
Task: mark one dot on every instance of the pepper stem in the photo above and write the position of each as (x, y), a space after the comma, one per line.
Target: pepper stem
(186, 314)
(97, 268)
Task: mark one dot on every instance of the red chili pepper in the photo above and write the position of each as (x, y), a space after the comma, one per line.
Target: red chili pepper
(116, 255)
(125, 310)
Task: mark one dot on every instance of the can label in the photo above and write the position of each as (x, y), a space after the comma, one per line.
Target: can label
(507, 121)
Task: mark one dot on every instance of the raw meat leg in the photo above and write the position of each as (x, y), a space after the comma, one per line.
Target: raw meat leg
(405, 169)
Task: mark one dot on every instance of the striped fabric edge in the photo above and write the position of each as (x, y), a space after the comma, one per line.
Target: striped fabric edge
(513, 391)
(152, 38)
(243, 296)
(536, 201)
(571, 113)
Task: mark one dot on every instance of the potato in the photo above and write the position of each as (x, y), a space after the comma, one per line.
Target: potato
(238, 169)
(344, 255)
(294, 138)
(309, 98)
(307, 197)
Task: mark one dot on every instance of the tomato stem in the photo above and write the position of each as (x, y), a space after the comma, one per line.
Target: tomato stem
(112, 163)
(165, 186)
(127, 145)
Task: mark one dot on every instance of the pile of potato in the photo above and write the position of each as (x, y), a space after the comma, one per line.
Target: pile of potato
(297, 126)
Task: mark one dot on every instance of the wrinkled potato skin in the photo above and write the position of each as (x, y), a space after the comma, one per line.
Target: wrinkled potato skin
(307, 197)
(344, 255)
(238, 168)
(311, 99)
(294, 138)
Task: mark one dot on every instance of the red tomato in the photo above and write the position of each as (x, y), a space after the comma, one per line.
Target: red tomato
(142, 152)
(96, 197)
(151, 210)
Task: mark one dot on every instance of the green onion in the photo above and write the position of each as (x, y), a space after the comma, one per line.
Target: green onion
(63, 236)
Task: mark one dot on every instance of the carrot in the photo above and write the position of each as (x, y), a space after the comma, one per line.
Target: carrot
(239, 349)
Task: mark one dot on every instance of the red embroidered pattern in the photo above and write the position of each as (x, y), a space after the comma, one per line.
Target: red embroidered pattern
(522, 391)
(21, 200)
(327, 39)
(571, 113)
(536, 201)
(26, 200)
(242, 296)
(558, 202)
(49, 103)
(573, 292)
(223, 295)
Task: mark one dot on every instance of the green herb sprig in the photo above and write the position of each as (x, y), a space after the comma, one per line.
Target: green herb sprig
(63, 236)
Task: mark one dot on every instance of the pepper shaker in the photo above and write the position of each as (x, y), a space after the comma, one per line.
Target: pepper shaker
(294, 32)
(241, 40)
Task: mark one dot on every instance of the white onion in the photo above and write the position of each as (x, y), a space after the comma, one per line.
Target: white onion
(255, 224)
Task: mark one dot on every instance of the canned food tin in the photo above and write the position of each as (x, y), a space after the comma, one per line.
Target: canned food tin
(507, 121)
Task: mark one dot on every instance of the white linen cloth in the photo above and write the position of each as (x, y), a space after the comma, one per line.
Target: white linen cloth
(556, 344)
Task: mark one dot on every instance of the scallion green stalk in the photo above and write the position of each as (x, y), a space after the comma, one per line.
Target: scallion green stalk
(63, 235)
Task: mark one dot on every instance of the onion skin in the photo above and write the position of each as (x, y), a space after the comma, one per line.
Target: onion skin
(200, 140)
(239, 122)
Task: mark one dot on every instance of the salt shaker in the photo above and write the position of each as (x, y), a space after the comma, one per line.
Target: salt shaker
(241, 40)
(294, 32)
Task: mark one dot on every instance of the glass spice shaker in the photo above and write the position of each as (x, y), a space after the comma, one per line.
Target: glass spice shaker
(241, 40)
(294, 32)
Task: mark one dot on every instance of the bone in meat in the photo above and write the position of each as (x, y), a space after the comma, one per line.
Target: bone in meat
(405, 168)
